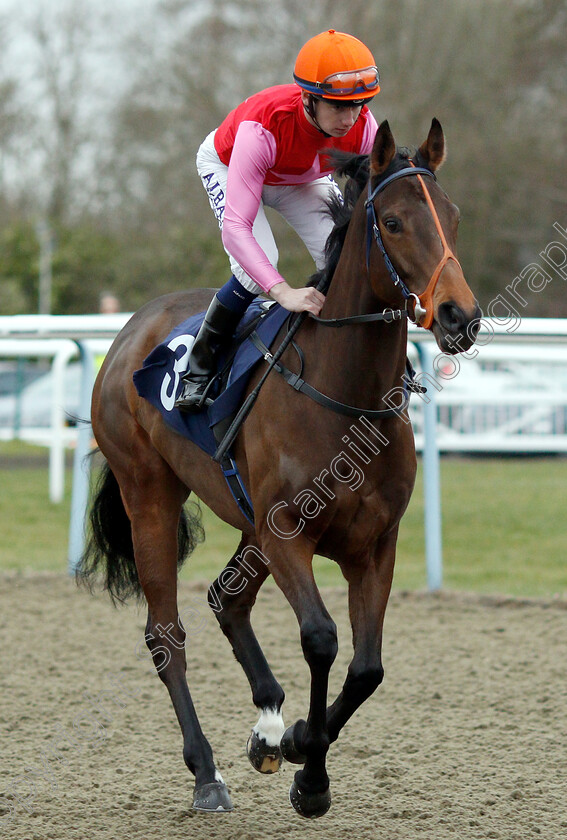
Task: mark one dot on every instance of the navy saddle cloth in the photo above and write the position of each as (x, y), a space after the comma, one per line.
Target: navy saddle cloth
(159, 380)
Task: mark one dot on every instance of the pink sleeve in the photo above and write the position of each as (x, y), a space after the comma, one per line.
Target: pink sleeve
(253, 153)
(370, 130)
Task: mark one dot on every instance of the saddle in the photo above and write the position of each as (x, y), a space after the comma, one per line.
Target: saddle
(159, 382)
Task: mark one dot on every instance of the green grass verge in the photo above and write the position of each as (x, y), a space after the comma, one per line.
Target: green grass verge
(503, 526)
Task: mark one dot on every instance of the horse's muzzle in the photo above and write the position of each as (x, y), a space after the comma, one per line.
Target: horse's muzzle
(455, 328)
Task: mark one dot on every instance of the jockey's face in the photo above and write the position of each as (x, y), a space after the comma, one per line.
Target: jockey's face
(334, 119)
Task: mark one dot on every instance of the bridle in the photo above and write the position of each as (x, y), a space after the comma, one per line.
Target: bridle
(423, 304)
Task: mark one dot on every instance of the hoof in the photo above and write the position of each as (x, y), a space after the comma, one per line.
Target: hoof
(288, 744)
(263, 758)
(309, 805)
(212, 797)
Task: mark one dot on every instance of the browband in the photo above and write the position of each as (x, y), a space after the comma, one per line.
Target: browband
(401, 173)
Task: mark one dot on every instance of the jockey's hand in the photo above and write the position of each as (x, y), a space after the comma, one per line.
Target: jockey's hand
(298, 300)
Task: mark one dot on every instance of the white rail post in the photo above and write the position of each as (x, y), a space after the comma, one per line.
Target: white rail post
(81, 465)
(57, 443)
(431, 475)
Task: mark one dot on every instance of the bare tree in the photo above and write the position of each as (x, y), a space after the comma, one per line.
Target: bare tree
(117, 106)
(12, 121)
(68, 86)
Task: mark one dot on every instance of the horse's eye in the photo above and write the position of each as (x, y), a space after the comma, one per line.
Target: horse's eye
(392, 225)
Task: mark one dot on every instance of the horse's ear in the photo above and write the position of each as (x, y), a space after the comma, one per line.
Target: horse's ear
(383, 150)
(433, 150)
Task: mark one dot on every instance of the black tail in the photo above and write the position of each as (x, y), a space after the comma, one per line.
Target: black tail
(109, 553)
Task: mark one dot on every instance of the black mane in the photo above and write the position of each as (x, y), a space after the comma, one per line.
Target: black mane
(356, 169)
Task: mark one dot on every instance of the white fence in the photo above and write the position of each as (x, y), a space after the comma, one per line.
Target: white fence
(55, 433)
(511, 398)
(507, 394)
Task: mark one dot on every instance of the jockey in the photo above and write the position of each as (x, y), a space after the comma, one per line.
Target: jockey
(270, 152)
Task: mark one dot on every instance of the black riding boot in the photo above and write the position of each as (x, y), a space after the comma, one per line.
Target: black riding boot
(216, 331)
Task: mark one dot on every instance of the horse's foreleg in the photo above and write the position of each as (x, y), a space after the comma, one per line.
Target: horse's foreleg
(369, 589)
(307, 742)
(232, 597)
(154, 509)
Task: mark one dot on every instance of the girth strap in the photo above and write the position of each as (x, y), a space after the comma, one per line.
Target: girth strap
(236, 487)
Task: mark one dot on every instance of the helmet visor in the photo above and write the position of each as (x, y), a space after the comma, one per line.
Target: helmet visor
(353, 81)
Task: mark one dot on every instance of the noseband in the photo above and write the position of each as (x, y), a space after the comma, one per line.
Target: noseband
(423, 304)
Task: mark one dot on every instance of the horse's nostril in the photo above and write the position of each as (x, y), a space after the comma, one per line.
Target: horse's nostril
(473, 328)
(451, 317)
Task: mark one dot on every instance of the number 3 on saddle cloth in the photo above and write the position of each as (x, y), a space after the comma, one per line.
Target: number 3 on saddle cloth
(159, 382)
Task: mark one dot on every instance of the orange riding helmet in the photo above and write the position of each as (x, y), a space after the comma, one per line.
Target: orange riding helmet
(334, 65)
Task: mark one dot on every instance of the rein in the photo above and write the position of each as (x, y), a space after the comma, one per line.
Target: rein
(299, 384)
(422, 317)
(423, 304)
(388, 315)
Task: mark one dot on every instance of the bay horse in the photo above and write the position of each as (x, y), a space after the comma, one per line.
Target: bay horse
(402, 228)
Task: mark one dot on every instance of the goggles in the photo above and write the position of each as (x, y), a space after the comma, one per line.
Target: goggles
(354, 81)
(345, 84)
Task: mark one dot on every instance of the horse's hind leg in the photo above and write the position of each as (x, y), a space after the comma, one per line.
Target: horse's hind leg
(153, 498)
(232, 597)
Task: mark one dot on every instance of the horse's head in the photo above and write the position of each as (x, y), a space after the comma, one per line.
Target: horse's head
(415, 227)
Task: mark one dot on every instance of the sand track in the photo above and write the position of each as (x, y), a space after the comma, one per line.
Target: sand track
(466, 738)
